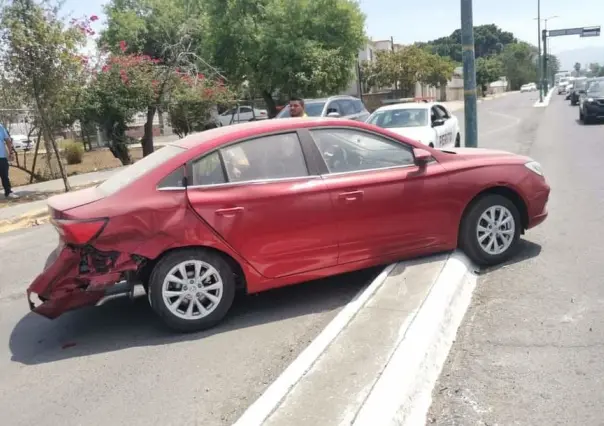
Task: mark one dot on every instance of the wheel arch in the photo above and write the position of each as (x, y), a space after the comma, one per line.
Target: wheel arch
(504, 191)
(240, 278)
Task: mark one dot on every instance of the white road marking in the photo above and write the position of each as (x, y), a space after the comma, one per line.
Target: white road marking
(259, 411)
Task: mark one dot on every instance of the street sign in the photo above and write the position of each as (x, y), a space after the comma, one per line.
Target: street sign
(591, 32)
(583, 32)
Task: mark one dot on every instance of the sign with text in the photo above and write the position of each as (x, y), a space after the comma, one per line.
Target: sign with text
(583, 32)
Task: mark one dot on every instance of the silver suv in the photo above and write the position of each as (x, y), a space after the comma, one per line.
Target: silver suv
(342, 106)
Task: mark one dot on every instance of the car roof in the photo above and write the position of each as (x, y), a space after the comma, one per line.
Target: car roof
(225, 134)
(329, 98)
(408, 105)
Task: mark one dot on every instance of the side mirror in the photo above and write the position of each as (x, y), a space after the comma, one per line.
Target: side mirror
(438, 122)
(334, 114)
(421, 156)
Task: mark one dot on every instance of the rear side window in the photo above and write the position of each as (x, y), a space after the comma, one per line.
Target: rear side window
(268, 157)
(208, 170)
(129, 174)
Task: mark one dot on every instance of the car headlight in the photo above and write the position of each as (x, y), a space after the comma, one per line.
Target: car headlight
(590, 99)
(534, 167)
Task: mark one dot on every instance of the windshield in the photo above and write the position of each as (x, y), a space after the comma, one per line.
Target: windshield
(596, 88)
(407, 117)
(313, 109)
(563, 80)
(131, 173)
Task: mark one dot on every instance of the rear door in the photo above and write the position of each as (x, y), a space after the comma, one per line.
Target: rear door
(384, 203)
(268, 203)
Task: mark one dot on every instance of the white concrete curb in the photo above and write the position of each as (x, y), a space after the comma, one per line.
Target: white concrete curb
(403, 393)
(259, 411)
(546, 100)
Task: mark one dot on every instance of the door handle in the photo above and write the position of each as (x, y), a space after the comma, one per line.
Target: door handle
(351, 196)
(229, 212)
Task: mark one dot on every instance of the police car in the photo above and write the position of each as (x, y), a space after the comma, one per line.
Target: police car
(430, 123)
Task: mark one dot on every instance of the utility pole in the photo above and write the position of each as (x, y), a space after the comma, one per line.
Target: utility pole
(539, 43)
(545, 83)
(392, 50)
(469, 74)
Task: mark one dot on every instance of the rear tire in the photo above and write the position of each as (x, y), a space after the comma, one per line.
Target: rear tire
(200, 299)
(458, 141)
(490, 218)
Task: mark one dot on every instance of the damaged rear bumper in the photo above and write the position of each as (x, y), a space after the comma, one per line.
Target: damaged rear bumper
(74, 278)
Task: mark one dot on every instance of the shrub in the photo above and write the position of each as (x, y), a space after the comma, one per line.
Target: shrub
(73, 152)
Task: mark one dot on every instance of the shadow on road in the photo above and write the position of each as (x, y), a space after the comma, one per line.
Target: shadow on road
(123, 323)
(527, 250)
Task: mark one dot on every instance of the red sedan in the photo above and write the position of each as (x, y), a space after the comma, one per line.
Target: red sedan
(266, 204)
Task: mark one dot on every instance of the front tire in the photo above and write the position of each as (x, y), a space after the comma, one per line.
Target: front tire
(490, 230)
(191, 289)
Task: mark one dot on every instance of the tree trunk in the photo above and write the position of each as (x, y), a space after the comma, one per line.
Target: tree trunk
(160, 116)
(33, 167)
(59, 162)
(147, 141)
(270, 103)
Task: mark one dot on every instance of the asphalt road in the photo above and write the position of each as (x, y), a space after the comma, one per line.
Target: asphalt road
(530, 348)
(116, 364)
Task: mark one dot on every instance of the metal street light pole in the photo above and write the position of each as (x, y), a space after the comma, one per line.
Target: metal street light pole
(469, 74)
(539, 44)
(546, 49)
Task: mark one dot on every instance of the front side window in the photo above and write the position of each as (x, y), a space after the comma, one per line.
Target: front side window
(268, 157)
(347, 150)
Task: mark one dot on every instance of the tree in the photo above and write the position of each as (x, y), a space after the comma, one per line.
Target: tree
(41, 57)
(520, 64)
(596, 70)
(368, 76)
(284, 47)
(123, 85)
(439, 70)
(553, 66)
(489, 40)
(577, 68)
(488, 70)
(171, 31)
(194, 102)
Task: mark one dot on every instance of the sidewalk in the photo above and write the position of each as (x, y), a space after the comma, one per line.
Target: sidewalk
(52, 186)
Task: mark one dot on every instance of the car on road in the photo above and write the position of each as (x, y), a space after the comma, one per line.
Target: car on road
(261, 205)
(530, 87)
(591, 104)
(342, 106)
(430, 123)
(579, 86)
(562, 85)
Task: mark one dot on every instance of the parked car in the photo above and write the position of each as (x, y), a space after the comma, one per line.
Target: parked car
(241, 114)
(562, 85)
(21, 142)
(341, 106)
(261, 205)
(578, 87)
(591, 104)
(430, 123)
(530, 87)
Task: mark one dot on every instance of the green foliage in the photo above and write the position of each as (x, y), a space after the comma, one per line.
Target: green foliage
(409, 65)
(596, 70)
(302, 47)
(488, 70)
(489, 40)
(42, 58)
(73, 152)
(194, 103)
(520, 64)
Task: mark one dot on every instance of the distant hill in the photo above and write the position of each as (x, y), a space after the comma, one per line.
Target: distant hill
(584, 56)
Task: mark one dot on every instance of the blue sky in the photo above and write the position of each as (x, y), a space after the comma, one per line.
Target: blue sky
(419, 20)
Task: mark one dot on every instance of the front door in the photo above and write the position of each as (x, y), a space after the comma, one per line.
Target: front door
(267, 206)
(384, 203)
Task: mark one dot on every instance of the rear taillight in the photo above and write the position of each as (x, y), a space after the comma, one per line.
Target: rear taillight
(79, 232)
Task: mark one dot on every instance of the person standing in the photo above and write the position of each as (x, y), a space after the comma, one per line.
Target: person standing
(296, 108)
(6, 154)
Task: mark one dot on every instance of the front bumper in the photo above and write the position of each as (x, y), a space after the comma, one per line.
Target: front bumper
(594, 109)
(538, 208)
